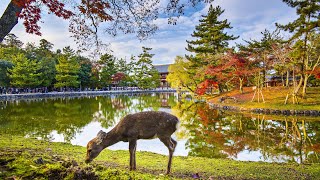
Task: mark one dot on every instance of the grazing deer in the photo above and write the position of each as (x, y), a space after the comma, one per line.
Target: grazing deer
(143, 125)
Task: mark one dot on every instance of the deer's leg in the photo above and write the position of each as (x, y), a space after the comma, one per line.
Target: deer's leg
(132, 150)
(171, 144)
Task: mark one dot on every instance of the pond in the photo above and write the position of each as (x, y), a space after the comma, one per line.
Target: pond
(203, 131)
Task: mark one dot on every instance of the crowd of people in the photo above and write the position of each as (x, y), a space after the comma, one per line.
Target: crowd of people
(12, 90)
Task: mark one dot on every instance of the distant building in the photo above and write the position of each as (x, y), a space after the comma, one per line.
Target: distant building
(274, 80)
(163, 71)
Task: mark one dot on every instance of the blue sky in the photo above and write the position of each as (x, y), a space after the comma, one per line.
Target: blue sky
(248, 18)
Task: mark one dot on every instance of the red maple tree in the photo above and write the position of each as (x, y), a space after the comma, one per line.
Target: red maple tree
(119, 76)
(31, 12)
(239, 68)
(233, 68)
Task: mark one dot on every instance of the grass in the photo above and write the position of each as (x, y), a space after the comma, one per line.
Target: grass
(274, 99)
(26, 158)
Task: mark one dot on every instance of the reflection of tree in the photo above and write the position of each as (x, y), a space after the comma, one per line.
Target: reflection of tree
(205, 135)
(112, 108)
(115, 107)
(72, 115)
(214, 133)
(40, 117)
(301, 139)
(147, 101)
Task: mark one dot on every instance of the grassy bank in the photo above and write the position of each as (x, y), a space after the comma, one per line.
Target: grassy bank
(274, 99)
(22, 158)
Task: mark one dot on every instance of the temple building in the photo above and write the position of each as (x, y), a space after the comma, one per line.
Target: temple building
(163, 70)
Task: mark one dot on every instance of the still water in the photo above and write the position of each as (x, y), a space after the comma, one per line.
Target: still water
(203, 131)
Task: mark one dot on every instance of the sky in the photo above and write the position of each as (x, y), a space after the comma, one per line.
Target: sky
(247, 17)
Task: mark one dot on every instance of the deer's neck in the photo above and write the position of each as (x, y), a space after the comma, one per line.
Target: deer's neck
(111, 138)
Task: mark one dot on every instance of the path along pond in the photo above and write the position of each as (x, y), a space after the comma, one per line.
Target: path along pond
(203, 131)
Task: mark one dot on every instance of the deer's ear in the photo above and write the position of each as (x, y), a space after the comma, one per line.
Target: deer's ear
(100, 136)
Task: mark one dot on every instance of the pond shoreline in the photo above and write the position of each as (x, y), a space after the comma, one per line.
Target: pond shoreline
(293, 112)
(13, 97)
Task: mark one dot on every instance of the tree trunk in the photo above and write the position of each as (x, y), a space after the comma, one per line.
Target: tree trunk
(264, 84)
(220, 89)
(9, 19)
(304, 88)
(241, 85)
(287, 80)
(297, 88)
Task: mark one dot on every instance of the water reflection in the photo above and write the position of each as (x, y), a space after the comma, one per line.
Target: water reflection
(203, 131)
(68, 116)
(218, 134)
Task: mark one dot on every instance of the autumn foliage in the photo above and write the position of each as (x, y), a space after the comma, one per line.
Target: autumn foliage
(205, 85)
(31, 13)
(232, 68)
(316, 73)
(96, 7)
(119, 76)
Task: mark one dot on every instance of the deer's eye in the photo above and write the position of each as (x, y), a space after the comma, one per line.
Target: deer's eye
(89, 151)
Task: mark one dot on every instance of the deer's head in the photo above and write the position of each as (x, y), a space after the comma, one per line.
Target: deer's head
(95, 146)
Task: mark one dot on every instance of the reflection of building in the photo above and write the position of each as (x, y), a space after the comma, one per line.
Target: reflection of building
(164, 97)
(163, 71)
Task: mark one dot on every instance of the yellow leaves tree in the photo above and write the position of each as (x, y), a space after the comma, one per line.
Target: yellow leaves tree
(180, 76)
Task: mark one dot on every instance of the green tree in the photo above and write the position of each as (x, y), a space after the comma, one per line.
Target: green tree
(122, 66)
(67, 72)
(179, 77)
(25, 72)
(261, 51)
(45, 45)
(68, 51)
(94, 79)
(12, 40)
(107, 63)
(146, 76)
(48, 70)
(211, 37)
(6, 52)
(308, 21)
(85, 71)
(130, 78)
(46, 58)
(4, 78)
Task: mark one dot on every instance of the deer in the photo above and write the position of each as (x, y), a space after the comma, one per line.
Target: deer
(142, 125)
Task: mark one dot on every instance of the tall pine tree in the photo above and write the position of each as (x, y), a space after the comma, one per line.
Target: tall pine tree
(25, 72)
(4, 78)
(107, 63)
(67, 72)
(211, 37)
(146, 76)
(307, 23)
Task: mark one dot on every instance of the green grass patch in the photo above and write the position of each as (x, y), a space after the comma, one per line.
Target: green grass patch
(26, 158)
(274, 99)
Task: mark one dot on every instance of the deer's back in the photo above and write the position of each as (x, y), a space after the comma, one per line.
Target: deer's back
(146, 125)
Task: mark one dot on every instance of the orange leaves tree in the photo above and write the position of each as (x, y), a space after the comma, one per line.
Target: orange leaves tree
(233, 70)
(240, 68)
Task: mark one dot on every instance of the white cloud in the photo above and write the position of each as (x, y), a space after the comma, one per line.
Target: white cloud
(248, 17)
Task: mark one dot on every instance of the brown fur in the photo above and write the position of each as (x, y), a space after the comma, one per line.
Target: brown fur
(143, 125)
